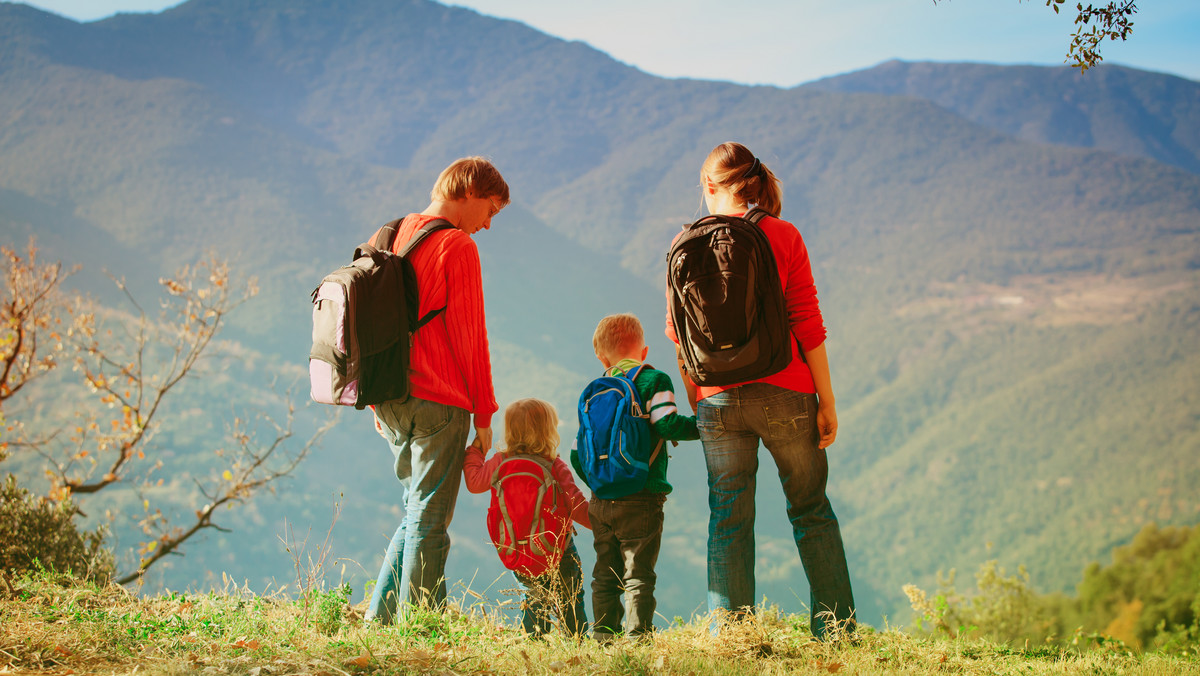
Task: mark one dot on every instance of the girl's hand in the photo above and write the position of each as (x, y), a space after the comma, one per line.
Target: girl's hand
(483, 439)
(827, 423)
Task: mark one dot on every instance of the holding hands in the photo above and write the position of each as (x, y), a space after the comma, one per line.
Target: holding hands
(483, 439)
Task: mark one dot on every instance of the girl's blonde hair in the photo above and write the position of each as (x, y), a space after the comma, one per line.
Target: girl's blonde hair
(733, 167)
(531, 428)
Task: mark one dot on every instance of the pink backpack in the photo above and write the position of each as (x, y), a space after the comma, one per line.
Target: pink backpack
(529, 519)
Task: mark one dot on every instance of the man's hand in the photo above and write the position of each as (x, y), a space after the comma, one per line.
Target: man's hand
(827, 423)
(483, 439)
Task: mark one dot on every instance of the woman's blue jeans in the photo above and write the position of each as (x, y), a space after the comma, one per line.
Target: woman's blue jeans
(731, 424)
(429, 442)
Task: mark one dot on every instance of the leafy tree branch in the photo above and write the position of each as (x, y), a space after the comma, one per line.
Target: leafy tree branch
(1112, 22)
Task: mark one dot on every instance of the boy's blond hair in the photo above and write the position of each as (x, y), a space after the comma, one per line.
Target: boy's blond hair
(617, 335)
(475, 174)
(531, 428)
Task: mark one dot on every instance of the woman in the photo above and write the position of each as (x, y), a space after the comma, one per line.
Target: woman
(791, 411)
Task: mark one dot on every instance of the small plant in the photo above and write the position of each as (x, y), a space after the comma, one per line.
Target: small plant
(422, 623)
(41, 534)
(1004, 609)
(330, 609)
(936, 611)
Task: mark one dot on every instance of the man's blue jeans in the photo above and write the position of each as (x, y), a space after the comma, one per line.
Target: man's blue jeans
(731, 424)
(429, 442)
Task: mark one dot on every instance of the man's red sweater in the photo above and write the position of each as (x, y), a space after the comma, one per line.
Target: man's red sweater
(800, 296)
(450, 363)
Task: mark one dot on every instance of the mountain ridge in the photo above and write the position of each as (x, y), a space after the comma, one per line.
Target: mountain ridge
(1111, 107)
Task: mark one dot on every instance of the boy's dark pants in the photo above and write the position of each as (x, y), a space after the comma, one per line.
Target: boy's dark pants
(557, 594)
(627, 535)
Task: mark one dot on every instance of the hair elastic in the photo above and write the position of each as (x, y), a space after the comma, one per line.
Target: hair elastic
(754, 170)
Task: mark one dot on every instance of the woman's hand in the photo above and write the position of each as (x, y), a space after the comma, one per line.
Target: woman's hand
(827, 422)
(818, 365)
(689, 385)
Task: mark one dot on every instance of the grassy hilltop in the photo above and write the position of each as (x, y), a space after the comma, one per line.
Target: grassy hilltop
(51, 628)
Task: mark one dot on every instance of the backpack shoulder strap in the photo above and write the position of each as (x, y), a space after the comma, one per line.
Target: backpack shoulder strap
(420, 235)
(703, 220)
(386, 236)
(631, 375)
(755, 215)
(546, 464)
(654, 455)
(496, 473)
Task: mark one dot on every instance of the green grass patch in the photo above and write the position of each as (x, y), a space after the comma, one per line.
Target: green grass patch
(51, 625)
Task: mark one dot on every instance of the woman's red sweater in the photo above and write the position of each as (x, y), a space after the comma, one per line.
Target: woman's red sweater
(800, 296)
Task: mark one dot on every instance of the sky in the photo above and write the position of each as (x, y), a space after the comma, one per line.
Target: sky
(787, 42)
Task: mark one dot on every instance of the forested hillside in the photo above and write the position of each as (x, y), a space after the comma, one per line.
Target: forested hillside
(1013, 323)
(1113, 108)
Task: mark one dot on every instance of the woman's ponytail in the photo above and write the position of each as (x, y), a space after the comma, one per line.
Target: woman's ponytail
(770, 194)
(733, 167)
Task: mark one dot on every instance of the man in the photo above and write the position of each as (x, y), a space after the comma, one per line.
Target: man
(451, 382)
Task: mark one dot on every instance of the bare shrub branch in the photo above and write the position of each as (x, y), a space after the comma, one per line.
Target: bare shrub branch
(129, 363)
(31, 314)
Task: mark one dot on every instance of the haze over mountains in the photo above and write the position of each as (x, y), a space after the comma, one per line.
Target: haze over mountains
(1013, 322)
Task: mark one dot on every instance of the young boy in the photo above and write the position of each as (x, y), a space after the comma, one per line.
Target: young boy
(627, 532)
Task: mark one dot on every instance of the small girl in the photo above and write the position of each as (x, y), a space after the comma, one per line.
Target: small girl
(531, 428)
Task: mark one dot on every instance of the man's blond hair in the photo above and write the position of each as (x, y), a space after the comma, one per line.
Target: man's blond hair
(617, 335)
(531, 428)
(475, 174)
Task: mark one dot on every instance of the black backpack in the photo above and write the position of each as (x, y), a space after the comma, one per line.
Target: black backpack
(364, 315)
(726, 301)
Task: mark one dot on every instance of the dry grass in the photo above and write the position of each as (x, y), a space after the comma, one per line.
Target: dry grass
(56, 627)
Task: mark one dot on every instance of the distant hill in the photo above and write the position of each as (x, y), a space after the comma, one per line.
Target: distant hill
(1012, 322)
(1110, 107)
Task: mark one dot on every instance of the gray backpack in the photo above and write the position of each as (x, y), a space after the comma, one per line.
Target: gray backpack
(364, 315)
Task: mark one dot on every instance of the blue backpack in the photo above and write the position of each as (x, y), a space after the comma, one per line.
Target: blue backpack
(614, 440)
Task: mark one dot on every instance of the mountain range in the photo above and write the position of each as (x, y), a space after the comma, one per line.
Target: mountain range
(1006, 257)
